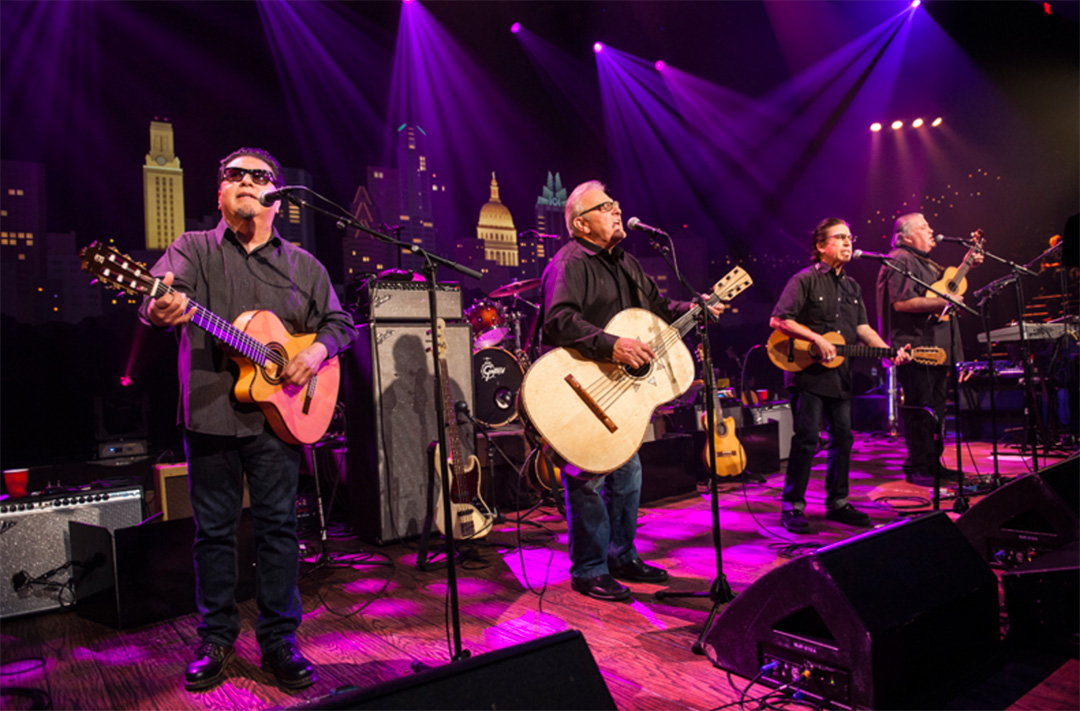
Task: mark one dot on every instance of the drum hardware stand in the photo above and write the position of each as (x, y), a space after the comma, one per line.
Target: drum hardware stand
(720, 591)
(431, 265)
(960, 505)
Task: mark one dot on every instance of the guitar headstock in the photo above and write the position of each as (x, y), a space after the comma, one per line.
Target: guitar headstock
(978, 237)
(928, 355)
(732, 284)
(440, 337)
(115, 269)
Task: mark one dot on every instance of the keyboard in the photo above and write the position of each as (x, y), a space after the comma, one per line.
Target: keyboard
(1033, 331)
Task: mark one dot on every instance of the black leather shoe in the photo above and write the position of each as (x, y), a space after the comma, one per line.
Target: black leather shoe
(638, 572)
(602, 587)
(208, 667)
(919, 478)
(849, 515)
(291, 669)
(794, 521)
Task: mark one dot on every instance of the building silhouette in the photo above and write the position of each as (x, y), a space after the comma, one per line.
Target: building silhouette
(163, 188)
(496, 229)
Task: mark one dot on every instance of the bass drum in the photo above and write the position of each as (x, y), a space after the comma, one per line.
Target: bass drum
(497, 377)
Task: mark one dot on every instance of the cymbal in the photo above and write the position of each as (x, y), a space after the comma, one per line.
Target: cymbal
(514, 288)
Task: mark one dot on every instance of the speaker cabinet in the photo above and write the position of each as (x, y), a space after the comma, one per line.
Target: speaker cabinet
(779, 413)
(139, 575)
(35, 542)
(390, 401)
(555, 672)
(1042, 598)
(888, 619)
(172, 495)
(1027, 517)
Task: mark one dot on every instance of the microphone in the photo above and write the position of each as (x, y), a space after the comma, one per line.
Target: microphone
(635, 224)
(269, 197)
(859, 254)
(943, 238)
(462, 407)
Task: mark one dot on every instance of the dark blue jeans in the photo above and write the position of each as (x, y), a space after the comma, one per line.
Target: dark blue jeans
(216, 468)
(809, 409)
(602, 515)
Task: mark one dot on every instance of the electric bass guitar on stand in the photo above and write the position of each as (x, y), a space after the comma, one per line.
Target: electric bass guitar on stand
(470, 515)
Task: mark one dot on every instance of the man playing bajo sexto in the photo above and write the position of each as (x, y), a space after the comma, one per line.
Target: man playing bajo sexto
(822, 299)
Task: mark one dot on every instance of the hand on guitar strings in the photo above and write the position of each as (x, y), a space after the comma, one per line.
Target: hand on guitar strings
(305, 364)
(169, 309)
(632, 352)
(903, 355)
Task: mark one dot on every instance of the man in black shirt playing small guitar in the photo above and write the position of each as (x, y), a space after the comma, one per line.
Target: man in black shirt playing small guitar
(818, 300)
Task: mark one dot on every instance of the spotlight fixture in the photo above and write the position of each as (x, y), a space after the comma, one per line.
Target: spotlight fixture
(897, 125)
(875, 127)
(915, 3)
(515, 28)
(598, 47)
(917, 123)
(659, 65)
(937, 122)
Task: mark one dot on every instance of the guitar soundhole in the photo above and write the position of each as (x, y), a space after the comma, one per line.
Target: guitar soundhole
(272, 369)
(639, 372)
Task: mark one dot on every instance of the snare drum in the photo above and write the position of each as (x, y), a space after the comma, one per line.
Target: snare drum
(488, 323)
(497, 377)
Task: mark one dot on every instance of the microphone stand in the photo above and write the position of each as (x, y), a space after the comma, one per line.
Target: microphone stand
(961, 504)
(984, 295)
(431, 265)
(720, 591)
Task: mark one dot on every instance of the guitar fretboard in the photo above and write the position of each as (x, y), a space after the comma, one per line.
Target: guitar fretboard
(858, 351)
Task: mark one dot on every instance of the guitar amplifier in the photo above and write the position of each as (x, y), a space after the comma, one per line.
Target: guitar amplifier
(172, 495)
(779, 413)
(405, 301)
(35, 546)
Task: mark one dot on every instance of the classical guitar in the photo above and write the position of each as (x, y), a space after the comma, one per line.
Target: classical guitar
(730, 455)
(470, 516)
(260, 344)
(954, 281)
(795, 354)
(594, 415)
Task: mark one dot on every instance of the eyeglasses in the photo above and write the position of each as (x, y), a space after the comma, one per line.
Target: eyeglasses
(235, 174)
(606, 206)
(850, 238)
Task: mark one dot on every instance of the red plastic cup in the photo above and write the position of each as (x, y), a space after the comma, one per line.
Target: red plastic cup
(15, 481)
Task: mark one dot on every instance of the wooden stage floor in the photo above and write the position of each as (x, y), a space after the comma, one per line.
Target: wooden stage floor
(373, 613)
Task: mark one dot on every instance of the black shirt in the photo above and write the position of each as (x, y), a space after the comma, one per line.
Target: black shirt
(918, 329)
(823, 301)
(585, 287)
(216, 271)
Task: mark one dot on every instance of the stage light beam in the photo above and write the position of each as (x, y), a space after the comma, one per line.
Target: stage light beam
(917, 123)
(937, 122)
(598, 47)
(897, 125)
(515, 28)
(659, 65)
(875, 127)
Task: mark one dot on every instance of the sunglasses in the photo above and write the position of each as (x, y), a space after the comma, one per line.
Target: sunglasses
(259, 176)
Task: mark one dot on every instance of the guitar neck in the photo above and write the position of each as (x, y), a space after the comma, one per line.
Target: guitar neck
(252, 349)
(684, 323)
(965, 266)
(453, 434)
(860, 351)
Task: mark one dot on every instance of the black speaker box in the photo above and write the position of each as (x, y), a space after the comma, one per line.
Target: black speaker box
(762, 445)
(389, 391)
(669, 467)
(143, 574)
(555, 672)
(35, 541)
(889, 619)
(1043, 600)
(1027, 517)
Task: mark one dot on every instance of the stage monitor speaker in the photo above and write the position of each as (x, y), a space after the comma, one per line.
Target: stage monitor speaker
(889, 619)
(138, 575)
(36, 548)
(1043, 600)
(1029, 516)
(171, 494)
(555, 672)
(389, 390)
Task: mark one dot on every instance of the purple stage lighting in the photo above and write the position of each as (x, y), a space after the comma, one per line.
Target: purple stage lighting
(936, 122)
(917, 123)
(897, 125)
(598, 47)
(875, 127)
(915, 3)
(515, 28)
(659, 65)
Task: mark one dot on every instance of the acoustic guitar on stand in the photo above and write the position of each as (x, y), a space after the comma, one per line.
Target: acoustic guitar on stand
(730, 455)
(467, 518)
(795, 354)
(594, 414)
(954, 281)
(259, 344)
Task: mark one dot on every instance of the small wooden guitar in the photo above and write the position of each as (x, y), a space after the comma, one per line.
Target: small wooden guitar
(260, 344)
(795, 354)
(594, 415)
(730, 455)
(467, 518)
(954, 281)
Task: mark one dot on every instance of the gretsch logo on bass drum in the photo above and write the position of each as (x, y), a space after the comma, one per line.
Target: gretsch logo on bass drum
(489, 370)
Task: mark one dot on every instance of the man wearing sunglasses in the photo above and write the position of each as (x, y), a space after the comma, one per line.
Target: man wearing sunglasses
(588, 282)
(243, 265)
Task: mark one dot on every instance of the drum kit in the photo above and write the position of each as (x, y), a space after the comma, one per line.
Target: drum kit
(499, 360)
